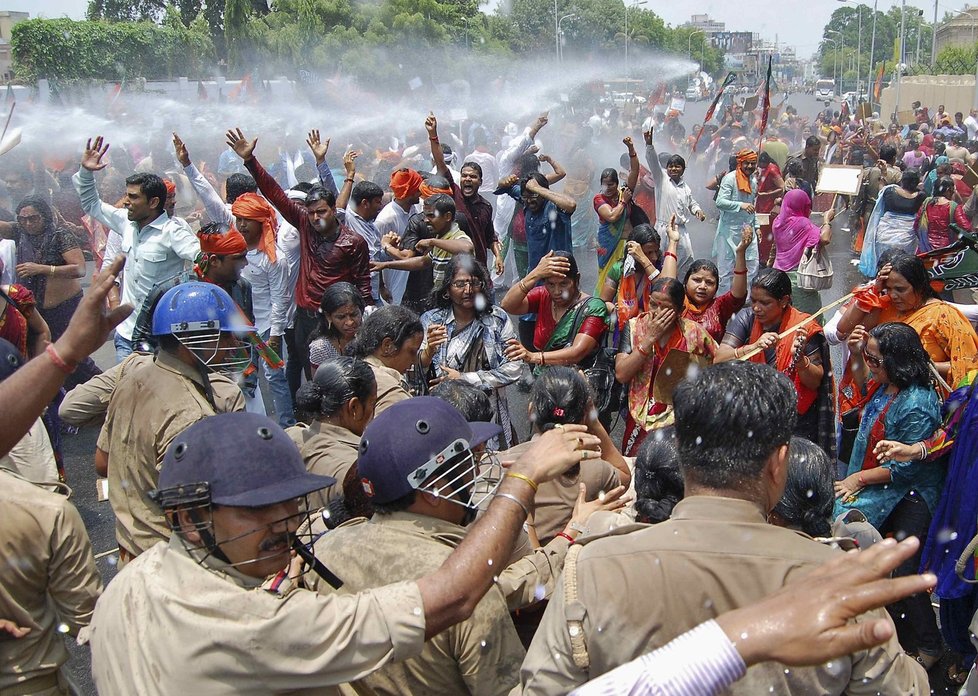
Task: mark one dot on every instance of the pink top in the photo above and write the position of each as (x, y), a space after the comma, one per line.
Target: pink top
(793, 231)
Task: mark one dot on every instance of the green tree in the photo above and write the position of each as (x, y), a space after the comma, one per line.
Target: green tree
(126, 10)
(957, 60)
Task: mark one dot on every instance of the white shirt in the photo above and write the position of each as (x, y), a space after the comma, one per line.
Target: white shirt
(490, 170)
(8, 261)
(971, 123)
(368, 230)
(393, 218)
(506, 162)
(270, 294)
(217, 210)
(158, 251)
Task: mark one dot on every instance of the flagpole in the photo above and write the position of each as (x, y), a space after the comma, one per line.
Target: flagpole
(727, 81)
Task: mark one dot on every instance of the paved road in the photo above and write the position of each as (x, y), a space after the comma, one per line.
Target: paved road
(98, 515)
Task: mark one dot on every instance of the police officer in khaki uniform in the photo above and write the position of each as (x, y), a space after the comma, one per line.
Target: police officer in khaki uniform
(716, 553)
(388, 341)
(340, 401)
(425, 487)
(200, 613)
(154, 398)
(48, 579)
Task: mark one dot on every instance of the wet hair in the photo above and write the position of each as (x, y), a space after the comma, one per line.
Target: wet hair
(776, 283)
(645, 234)
(609, 173)
(673, 289)
(366, 191)
(702, 265)
(574, 273)
(944, 187)
(474, 166)
(812, 141)
(468, 399)
(809, 493)
(336, 382)
(888, 154)
(730, 419)
(441, 297)
(390, 321)
(443, 204)
(794, 168)
(334, 297)
(658, 480)
(887, 256)
(320, 193)
(560, 397)
(527, 164)
(914, 272)
(910, 179)
(763, 160)
(904, 358)
(676, 159)
(42, 207)
(150, 186)
(238, 184)
(304, 187)
(537, 177)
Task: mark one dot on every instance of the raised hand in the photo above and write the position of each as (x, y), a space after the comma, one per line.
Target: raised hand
(94, 152)
(746, 237)
(431, 125)
(319, 147)
(92, 322)
(648, 135)
(243, 148)
(627, 142)
(673, 230)
(181, 152)
(857, 339)
(349, 162)
(551, 265)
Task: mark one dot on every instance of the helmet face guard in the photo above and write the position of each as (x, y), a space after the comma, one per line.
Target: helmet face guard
(203, 340)
(457, 475)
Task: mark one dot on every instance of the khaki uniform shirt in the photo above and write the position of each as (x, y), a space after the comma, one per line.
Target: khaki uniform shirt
(480, 655)
(327, 450)
(32, 457)
(639, 590)
(554, 501)
(47, 577)
(391, 386)
(168, 625)
(153, 401)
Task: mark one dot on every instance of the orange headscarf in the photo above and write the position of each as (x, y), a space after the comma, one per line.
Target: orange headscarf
(254, 207)
(743, 181)
(171, 187)
(405, 183)
(429, 191)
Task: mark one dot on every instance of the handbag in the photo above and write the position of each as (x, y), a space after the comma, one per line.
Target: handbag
(815, 269)
(606, 392)
(850, 428)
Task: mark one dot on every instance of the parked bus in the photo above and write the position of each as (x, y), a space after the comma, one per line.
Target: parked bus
(825, 89)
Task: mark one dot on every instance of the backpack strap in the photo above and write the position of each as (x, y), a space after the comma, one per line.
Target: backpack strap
(574, 610)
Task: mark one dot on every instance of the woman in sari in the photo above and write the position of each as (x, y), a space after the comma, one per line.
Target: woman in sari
(892, 370)
(934, 219)
(50, 264)
(615, 212)
(702, 304)
(947, 336)
(770, 186)
(645, 344)
(570, 324)
(891, 226)
(466, 339)
(626, 286)
(794, 233)
(802, 356)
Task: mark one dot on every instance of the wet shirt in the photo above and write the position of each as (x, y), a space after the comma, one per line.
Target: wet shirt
(391, 385)
(54, 581)
(714, 554)
(480, 655)
(327, 450)
(169, 624)
(153, 399)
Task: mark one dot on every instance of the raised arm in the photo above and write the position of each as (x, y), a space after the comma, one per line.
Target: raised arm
(515, 301)
(84, 181)
(451, 593)
(216, 209)
(670, 260)
(319, 149)
(633, 167)
(561, 200)
(738, 287)
(652, 159)
(437, 156)
(558, 171)
(350, 167)
(245, 149)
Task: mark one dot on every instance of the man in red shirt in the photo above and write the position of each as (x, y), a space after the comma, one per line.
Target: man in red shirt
(330, 251)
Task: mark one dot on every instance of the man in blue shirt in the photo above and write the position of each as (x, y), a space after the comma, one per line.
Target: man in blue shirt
(547, 214)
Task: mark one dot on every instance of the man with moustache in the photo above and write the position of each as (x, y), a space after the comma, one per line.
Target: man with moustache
(329, 250)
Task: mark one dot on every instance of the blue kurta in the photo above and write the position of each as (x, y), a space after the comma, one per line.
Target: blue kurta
(732, 221)
(914, 416)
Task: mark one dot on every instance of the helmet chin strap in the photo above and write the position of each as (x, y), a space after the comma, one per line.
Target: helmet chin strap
(210, 542)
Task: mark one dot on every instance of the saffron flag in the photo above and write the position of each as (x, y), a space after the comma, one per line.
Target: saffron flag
(878, 85)
(766, 104)
(954, 266)
(727, 81)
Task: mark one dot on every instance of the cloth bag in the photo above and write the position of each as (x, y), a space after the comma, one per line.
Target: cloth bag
(815, 269)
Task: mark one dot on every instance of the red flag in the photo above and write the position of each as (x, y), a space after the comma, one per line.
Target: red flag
(878, 86)
(766, 109)
(727, 81)
(657, 96)
(240, 88)
(201, 91)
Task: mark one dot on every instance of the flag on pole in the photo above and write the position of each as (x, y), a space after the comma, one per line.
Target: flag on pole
(766, 104)
(955, 266)
(878, 85)
(657, 96)
(201, 91)
(10, 98)
(844, 110)
(727, 81)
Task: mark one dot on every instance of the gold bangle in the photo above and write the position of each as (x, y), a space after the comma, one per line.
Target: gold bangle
(543, 359)
(52, 270)
(522, 287)
(522, 477)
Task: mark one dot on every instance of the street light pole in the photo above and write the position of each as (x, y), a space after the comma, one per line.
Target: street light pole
(689, 43)
(556, 32)
(835, 57)
(872, 55)
(560, 33)
(842, 74)
(933, 41)
(899, 67)
(628, 67)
